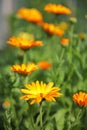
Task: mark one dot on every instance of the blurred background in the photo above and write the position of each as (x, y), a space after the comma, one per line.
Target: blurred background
(9, 7)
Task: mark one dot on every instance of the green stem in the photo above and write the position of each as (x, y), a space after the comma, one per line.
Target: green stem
(24, 57)
(41, 122)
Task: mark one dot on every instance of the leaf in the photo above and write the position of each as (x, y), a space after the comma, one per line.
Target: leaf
(60, 118)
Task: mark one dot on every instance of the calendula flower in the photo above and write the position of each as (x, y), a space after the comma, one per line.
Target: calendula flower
(73, 20)
(85, 16)
(82, 36)
(31, 15)
(24, 69)
(36, 92)
(57, 9)
(63, 26)
(64, 41)
(80, 98)
(26, 35)
(23, 43)
(44, 65)
(6, 103)
(52, 29)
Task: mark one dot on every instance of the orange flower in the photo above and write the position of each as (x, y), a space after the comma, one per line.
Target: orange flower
(80, 98)
(23, 43)
(31, 15)
(64, 41)
(40, 91)
(44, 65)
(24, 69)
(52, 29)
(6, 103)
(57, 9)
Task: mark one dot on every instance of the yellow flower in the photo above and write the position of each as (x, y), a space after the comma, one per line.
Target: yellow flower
(36, 92)
(52, 29)
(44, 65)
(24, 69)
(63, 26)
(80, 98)
(31, 15)
(23, 43)
(26, 35)
(82, 36)
(64, 41)
(57, 9)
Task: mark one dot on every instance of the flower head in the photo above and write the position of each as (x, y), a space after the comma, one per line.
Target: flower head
(23, 43)
(80, 98)
(24, 69)
(36, 92)
(52, 29)
(64, 41)
(44, 65)
(6, 103)
(31, 15)
(82, 36)
(57, 9)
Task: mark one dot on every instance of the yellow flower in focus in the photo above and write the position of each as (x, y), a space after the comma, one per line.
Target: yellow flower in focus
(65, 41)
(24, 69)
(36, 92)
(57, 9)
(52, 29)
(80, 98)
(23, 43)
(44, 65)
(31, 15)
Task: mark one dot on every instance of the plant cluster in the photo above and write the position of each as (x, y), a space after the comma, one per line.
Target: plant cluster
(44, 72)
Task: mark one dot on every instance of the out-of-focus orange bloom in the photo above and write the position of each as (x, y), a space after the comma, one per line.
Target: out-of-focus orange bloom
(31, 15)
(23, 43)
(52, 29)
(57, 9)
(44, 65)
(6, 103)
(24, 69)
(64, 41)
(80, 98)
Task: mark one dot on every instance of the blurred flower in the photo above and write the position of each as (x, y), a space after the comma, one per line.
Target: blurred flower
(73, 19)
(57, 9)
(24, 69)
(85, 16)
(63, 26)
(80, 98)
(6, 104)
(26, 35)
(82, 36)
(40, 91)
(31, 15)
(64, 41)
(23, 43)
(52, 29)
(44, 65)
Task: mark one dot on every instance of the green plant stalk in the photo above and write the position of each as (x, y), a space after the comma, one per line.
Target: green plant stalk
(24, 57)
(41, 121)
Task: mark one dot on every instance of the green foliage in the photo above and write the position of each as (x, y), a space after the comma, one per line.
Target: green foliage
(68, 71)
